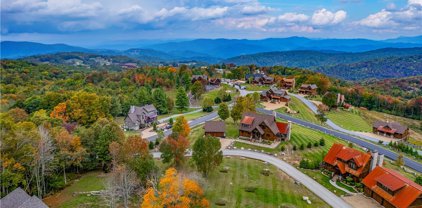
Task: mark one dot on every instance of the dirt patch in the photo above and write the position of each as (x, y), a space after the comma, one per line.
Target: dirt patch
(361, 201)
(273, 106)
(379, 137)
(146, 133)
(225, 143)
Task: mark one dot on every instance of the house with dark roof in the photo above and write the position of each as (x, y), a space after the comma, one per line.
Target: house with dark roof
(308, 89)
(140, 117)
(287, 84)
(215, 128)
(20, 199)
(390, 129)
(202, 78)
(345, 161)
(391, 189)
(259, 127)
(259, 78)
(214, 81)
(275, 95)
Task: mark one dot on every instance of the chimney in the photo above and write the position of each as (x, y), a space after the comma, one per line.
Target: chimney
(374, 155)
(380, 160)
(132, 109)
(290, 130)
(274, 114)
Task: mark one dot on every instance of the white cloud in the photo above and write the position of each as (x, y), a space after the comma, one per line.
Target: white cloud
(293, 17)
(255, 9)
(326, 17)
(408, 18)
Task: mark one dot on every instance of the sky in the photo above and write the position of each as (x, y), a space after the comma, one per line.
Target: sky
(102, 22)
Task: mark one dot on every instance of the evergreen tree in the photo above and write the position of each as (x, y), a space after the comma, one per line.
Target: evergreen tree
(223, 111)
(207, 104)
(160, 101)
(182, 100)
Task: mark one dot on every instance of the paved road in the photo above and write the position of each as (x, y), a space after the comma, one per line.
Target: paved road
(308, 182)
(390, 154)
(331, 123)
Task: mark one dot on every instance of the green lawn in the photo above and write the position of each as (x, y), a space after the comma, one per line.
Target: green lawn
(323, 180)
(304, 112)
(195, 133)
(252, 87)
(175, 111)
(255, 147)
(271, 191)
(232, 129)
(195, 115)
(349, 120)
(214, 93)
(93, 181)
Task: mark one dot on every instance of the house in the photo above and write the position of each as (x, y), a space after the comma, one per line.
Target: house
(345, 161)
(215, 128)
(18, 198)
(259, 78)
(287, 84)
(390, 129)
(275, 95)
(308, 89)
(140, 117)
(201, 78)
(259, 127)
(214, 81)
(391, 189)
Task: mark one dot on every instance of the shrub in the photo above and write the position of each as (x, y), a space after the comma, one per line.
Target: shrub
(265, 172)
(217, 100)
(309, 145)
(294, 148)
(151, 145)
(282, 148)
(322, 142)
(316, 144)
(302, 147)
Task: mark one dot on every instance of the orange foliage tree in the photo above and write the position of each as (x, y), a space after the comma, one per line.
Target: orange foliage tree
(175, 191)
(181, 127)
(173, 149)
(59, 112)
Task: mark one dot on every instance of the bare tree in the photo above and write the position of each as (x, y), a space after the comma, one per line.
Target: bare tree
(42, 158)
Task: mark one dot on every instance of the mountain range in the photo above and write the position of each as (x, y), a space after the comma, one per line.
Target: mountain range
(343, 58)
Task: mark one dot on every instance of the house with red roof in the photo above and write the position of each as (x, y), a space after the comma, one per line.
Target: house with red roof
(392, 189)
(345, 161)
(259, 127)
(390, 129)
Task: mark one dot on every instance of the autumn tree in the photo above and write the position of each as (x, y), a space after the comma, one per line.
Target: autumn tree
(400, 160)
(223, 111)
(173, 149)
(181, 127)
(59, 112)
(18, 114)
(70, 150)
(182, 100)
(174, 190)
(86, 108)
(207, 154)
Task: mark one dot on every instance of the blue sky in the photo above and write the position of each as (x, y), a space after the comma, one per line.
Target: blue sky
(100, 22)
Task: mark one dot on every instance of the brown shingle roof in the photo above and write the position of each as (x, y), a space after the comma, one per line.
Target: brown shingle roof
(258, 119)
(215, 126)
(397, 127)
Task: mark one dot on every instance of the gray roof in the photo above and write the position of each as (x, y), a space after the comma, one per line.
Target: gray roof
(215, 126)
(259, 119)
(280, 92)
(310, 86)
(20, 199)
(135, 114)
(392, 125)
(149, 108)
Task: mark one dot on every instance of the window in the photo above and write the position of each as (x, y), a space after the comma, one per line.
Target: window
(352, 165)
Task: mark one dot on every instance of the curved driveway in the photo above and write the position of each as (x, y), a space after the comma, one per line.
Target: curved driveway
(319, 190)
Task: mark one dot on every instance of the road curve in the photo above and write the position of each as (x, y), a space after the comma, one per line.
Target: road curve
(307, 181)
(319, 190)
(390, 154)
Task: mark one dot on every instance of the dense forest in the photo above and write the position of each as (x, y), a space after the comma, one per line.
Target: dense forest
(406, 88)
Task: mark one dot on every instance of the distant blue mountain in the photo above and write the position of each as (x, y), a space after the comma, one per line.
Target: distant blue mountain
(11, 49)
(226, 48)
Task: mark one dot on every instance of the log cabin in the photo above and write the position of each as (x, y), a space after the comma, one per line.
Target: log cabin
(215, 129)
(259, 127)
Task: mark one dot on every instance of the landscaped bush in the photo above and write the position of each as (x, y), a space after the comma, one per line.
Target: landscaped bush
(294, 148)
(266, 172)
(316, 144)
(221, 202)
(250, 189)
(309, 164)
(302, 147)
(217, 100)
(322, 142)
(309, 145)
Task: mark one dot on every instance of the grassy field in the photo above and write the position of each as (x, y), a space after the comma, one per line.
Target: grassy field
(195, 115)
(259, 148)
(271, 191)
(349, 120)
(175, 111)
(303, 111)
(252, 87)
(195, 133)
(93, 181)
(414, 125)
(232, 129)
(301, 135)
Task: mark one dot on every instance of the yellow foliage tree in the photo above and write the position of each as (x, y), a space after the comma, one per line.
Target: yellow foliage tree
(175, 191)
